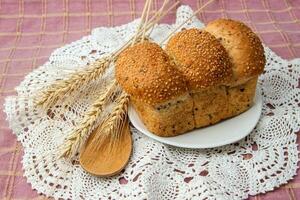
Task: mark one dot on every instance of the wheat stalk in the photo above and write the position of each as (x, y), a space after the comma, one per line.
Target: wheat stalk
(184, 22)
(65, 87)
(111, 127)
(77, 137)
(75, 81)
(141, 23)
(154, 19)
(148, 5)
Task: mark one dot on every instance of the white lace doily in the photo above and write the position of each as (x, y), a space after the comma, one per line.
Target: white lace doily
(262, 161)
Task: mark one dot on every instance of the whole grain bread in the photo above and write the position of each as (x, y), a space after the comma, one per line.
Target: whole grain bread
(201, 78)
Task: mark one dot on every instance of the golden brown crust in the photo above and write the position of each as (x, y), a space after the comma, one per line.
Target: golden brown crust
(243, 46)
(145, 72)
(200, 57)
(214, 105)
(201, 109)
(167, 119)
(209, 106)
(240, 98)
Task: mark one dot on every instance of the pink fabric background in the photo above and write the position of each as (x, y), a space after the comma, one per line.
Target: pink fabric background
(31, 29)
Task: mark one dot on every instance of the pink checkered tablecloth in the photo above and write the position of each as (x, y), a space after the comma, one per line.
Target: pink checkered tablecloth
(31, 29)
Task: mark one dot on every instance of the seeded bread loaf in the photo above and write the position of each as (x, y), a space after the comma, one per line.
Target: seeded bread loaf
(205, 64)
(201, 58)
(243, 46)
(202, 77)
(246, 53)
(157, 89)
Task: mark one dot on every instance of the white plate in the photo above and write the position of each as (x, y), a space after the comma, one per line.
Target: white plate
(225, 132)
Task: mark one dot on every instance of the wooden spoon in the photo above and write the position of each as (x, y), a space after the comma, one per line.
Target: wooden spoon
(106, 161)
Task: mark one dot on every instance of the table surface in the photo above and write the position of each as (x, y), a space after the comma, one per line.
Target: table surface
(30, 30)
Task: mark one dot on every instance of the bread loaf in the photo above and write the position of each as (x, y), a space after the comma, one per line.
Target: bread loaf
(246, 53)
(202, 77)
(157, 89)
(244, 48)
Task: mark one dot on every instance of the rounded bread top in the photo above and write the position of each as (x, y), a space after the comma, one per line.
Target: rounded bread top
(200, 57)
(145, 72)
(244, 48)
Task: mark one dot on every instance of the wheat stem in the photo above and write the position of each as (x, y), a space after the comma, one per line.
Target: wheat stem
(183, 23)
(159, 13)
(157, 17)
(154, 19)
(149, 3)
(141, 23)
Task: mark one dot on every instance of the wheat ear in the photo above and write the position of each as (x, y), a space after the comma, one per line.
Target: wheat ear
(111, 127)
(77, 137)
(64, 87)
